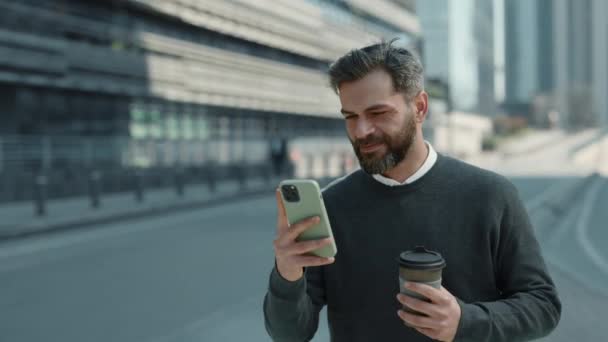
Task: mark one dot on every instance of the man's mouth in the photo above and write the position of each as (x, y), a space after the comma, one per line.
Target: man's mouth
(368, 148)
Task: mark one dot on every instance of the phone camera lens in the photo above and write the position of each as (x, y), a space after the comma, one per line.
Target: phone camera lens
(290, 193)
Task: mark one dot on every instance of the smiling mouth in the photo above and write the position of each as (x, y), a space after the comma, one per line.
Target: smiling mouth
(370, 148)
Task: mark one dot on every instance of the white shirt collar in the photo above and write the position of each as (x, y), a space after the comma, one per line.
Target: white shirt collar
(431, 158)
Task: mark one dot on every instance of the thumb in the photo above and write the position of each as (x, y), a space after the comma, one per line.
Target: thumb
(282, 223)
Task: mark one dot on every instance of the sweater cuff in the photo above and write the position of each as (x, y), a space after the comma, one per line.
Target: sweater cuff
(285, 289)
(466, 327)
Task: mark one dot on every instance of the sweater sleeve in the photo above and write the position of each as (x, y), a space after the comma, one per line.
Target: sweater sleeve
(291, 309)
(529, 307)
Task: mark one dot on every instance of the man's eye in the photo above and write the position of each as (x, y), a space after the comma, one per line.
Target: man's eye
(378, 113)
(349, 117)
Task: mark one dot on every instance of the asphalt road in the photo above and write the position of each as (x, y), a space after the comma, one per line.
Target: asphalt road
(201, 275)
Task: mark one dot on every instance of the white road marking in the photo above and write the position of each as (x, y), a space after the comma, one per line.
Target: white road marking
(583, 226)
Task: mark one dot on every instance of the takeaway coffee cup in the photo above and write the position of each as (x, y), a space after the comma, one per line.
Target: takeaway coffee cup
(419, 265)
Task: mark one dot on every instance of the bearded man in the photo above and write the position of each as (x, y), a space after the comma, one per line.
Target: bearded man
(495, 287)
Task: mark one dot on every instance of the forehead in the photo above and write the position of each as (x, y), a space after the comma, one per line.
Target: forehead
(377, 86)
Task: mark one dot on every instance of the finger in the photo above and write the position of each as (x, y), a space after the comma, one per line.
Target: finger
(416, 304)
(416, 321)
(433, 294)
(299, 227)
(312, 261)
(282, 223)
(307, 246)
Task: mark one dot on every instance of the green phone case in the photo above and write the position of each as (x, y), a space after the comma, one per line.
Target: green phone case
(310, 204)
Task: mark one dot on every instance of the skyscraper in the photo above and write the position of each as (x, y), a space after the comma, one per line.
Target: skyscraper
(600, 60)
(529, 59)
(522, 40)
(458, 50)
(579, 36)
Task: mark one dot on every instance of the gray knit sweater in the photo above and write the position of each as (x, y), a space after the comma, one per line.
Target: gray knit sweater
(473, 217)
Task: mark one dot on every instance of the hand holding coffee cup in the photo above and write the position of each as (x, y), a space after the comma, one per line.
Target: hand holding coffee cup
(292, 256)
(420, 266)
(427, 306)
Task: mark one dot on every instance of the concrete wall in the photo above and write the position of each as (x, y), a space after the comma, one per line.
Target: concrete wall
(460, 134)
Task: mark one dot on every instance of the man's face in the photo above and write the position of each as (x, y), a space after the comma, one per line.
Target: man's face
(380, 124)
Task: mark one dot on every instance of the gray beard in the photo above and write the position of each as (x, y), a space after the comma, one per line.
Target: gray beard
(379, 166)
(395, 154)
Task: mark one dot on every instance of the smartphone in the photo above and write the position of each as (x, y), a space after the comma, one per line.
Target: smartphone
(302, 199)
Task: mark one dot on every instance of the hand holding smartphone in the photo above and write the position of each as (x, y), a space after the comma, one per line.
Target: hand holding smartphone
(304, 234)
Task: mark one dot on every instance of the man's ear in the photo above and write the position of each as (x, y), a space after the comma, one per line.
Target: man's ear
(421, 101)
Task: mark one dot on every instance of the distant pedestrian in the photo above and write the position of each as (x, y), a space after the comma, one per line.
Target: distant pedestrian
(278, 154)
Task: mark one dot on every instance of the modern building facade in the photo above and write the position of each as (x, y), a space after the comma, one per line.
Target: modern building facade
(522, 39)
(600, 61)
(556, 59)
(580, 65)
(159, 83)
(458, 50)
(529, 59)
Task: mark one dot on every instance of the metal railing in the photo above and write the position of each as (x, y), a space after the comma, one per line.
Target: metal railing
(43, 168)
(65, 164)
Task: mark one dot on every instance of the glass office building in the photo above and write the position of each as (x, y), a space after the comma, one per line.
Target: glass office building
(158, 83)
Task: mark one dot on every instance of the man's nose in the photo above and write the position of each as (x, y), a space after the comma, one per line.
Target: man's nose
(363, 128)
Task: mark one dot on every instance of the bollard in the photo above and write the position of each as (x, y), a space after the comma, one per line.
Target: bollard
(238, 171)
(40, 186)
(179, 182)
(267, 173)
(241, 172)
(211, 179)
(138, 186)
(94, 188)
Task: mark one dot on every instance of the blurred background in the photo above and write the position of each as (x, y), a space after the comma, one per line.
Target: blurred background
(141, 141)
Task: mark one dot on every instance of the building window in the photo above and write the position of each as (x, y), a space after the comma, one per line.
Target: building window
(203, 127)
(155, 122)
(172, 125)
(187, 124)
(137, 125)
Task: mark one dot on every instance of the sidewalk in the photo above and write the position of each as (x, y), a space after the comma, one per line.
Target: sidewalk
(530, 141)
(19, 219)
(536, 140)
(593, 155)
(547, 154)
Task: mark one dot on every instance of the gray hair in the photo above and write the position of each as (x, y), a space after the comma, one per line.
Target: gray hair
(403, 66)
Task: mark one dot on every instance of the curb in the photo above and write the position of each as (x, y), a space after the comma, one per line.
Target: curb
(533, 148)
(547, 211)
(598, 136)
(79, 223)
(50, 228)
